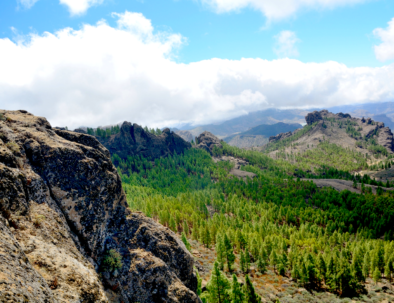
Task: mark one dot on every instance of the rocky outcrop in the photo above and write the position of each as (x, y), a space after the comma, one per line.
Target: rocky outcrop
(185, 135)
(207, 141)
(313, 117)
(343, 130)
(134, 140)
(62, 210)
(280, 136)
(385, 138)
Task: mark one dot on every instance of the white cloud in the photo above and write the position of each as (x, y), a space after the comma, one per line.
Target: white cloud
(27, 3)
(276, 9)
(385, 50)
(77, 7)
(285, 45)
(101, 74)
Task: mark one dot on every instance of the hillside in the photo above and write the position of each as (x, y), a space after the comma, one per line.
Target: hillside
(259, 135)
(288, 240)
(327, 135)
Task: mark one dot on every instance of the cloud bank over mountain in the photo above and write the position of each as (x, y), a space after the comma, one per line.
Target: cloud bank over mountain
(102, 74)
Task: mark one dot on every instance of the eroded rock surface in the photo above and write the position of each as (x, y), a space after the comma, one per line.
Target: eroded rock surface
(207, 141)
(62, 209)
(133, 140)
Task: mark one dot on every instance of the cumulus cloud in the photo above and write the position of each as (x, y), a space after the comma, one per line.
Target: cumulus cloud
(77, 7)
(285, 45)
(99, 74)
(27, 3)
(276, 9)
(385, 50)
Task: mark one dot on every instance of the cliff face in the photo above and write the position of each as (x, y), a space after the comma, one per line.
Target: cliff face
(62, 210)
(133, 140)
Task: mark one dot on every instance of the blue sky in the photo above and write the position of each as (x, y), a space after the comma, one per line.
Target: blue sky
(298, 54)
(342, 34)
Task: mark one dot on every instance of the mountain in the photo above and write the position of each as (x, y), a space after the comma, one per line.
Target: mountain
(381, 111)
(259, 135)
(245, 122)
(134, 140)
(66, 232)
(365, 136)
(290, 116)
(185, 135)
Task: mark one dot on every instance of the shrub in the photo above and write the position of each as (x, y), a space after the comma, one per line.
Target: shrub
(112, 261)
(38, 219)
(13, 147)
(2, 118)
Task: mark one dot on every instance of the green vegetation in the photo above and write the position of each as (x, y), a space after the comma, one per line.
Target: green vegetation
(112, 261)
(113, 130)
(287, 141)
(323, 239)
(12, 146)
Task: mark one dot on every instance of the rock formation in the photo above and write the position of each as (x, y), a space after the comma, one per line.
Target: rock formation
(332, 132)
(207, 141)
(63, 211)
(280, 136)
(313, 117)
(133, 140)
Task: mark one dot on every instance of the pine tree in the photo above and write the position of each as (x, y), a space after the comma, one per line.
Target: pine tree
(186, 242)
(199, 283)
(220, 251)
(261, 265)
(366, 265)
(218, 286)
(387, 271)
(295, 273)
(250, 292)
(237, 295)
(376, 275)
(322, 268)
(357, 267)
(229, 251)
(247, 261)
(172, 225)
(185, 228)
(273, 259)
(242, 262)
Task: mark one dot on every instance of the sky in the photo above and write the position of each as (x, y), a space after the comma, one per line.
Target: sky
(171, 62)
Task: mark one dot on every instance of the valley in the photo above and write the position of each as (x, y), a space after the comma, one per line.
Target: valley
(308, 217)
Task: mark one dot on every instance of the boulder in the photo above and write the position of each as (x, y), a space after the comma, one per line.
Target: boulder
(134, 140)
(62, 209)
(207, 141)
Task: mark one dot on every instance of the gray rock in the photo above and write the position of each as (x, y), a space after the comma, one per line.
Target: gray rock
(313, 117)
(207, 141)
(68, 197)
(134, 140)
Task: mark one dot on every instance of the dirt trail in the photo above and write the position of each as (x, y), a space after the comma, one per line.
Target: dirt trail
(340, 185)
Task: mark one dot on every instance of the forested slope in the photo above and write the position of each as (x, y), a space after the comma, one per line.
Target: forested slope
(335, 243)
